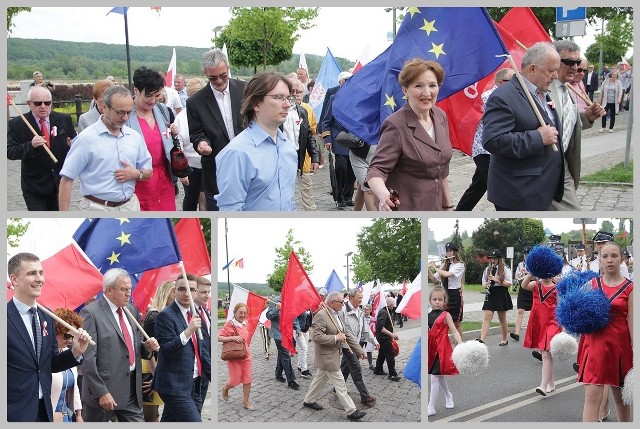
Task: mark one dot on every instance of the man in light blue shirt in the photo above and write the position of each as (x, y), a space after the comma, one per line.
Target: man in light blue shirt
(257, 169)
(109, 158)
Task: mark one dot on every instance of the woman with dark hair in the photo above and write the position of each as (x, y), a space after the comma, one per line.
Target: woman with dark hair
(154, 121)
(414, 151)
(496, 278)
(451, 275)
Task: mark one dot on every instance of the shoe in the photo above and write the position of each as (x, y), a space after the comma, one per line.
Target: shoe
(293, 385)
(281, 379)
(515, 336)
(299, 370)
(503, 343)
(601, 130)
(305, 374)
(350, 203)
(448, 400)
(225, 393)
(321, 166)
(431, 412)
(576, 367)
(540, 391)
(536, 354)
(356, 415)
(266, 356)
(479, 340)
(369, 401)
(394, 378)
(484, 292)
(605, 417)
(551, 388)
(379, 372)
(610, 130)
(313, 405)
(342, 205)
(248, 407)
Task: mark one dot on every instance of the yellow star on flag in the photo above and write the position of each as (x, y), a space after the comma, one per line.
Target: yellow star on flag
(114, 257)
(437, 49)
(429, 27)
(123, 220)
(124, 238)
(390, 102)
(413, 10)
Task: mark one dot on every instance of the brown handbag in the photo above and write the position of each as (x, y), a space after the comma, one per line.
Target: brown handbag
(232, 350)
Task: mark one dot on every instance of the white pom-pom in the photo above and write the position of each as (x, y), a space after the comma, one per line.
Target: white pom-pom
(627, 388)
(471, 358)
(563, 347)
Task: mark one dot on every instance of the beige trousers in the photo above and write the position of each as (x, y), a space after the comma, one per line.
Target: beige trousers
(320, 378)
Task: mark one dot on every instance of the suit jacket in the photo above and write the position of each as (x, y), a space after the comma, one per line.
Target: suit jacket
(174, 373)
(524, 174)
(206, 123)
(24, 372)
(593, 85)
(572, 155)
(39, 174)
(327, 350)
(105, 367)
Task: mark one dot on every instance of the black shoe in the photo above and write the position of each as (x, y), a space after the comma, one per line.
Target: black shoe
(536, 354)
(394, 378)
(379, 372)
(356, 415)
(280, 378)
(305, 374)
(368, 401)
(313, 405)
(576, 367)
(175, 189)
(503, 343)
(299, 370)
(479, 340)
(515, 336)
(350, 203)
(342, 205)
(293, 385)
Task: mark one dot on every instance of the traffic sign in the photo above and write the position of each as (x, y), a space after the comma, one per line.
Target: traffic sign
(566, 14)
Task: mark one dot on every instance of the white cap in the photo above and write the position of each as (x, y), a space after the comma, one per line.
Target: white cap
(344, 75)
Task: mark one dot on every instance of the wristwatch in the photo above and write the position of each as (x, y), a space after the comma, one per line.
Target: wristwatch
(141, 174)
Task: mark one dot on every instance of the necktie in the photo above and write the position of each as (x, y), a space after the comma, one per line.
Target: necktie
(567, 108)
(194, 341)
(127, 337)
(45, 131)
(205, 319)
(37, 333)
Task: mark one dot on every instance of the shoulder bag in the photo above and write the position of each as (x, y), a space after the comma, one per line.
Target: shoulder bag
(232, 350)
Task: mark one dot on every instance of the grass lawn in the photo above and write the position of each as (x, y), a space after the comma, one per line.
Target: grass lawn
(617, 174)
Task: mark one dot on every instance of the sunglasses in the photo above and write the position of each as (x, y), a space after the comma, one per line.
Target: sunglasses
(67, 336)
(580, 70)
(40, 103)
(570, 62)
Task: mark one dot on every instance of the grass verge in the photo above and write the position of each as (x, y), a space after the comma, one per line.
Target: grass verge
(615, 174)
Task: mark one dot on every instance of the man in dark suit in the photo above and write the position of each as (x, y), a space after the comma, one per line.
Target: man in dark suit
(112, 370)
(32, 349)
(525, 172)
(39, 173)
(200, 300)
(183, 359)
(214, 118)
(591, 81)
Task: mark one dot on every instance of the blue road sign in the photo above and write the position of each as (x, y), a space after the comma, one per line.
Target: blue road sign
(566, 14)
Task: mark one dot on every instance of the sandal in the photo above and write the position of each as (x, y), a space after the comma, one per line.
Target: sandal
(503, 343)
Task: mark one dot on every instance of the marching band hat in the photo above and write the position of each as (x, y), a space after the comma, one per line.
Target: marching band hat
(553, 238)
(579, 246)
(603, 236)
(451, 246)
(495, 254)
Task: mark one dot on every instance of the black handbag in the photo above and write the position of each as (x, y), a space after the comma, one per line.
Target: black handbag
(179, 163)
(349, 140)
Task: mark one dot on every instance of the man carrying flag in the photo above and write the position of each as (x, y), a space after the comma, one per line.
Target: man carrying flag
(284, 357)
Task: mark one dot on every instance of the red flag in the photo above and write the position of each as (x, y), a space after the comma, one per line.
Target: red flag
(379, 302)
(255, 304)
(239, 263)
(195, 256)
(8, 99)
(464, 109)
(524, 26)
(404, 288)
(298, 295)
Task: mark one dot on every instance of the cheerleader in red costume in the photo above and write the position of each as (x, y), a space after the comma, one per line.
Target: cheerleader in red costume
(606, 356)
(542, 326)
(439, 361)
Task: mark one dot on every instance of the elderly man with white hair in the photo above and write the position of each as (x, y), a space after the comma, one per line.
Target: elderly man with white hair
(385, 334)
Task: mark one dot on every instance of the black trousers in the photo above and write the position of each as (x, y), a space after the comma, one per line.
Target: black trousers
(386, 354)
(345, 178)
(41, 203)
(478, 186)
(351, 365)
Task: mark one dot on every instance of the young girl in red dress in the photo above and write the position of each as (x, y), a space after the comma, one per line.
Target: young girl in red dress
(440, 350)
(606, 356)
(542, 326)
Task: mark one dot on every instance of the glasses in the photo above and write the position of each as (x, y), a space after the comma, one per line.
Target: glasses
(222, 77)
(40, 103)
(569, 62)
(120, 113)
(581, 70)
(67, 336)
(341, 302)
(184, 289)
(281, 98)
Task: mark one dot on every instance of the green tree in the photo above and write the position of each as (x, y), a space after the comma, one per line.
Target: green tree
(16, 227)
(615, 42)
(607, 226)
(281, 263)
(264, 35)
(11, 12)
(390, 249)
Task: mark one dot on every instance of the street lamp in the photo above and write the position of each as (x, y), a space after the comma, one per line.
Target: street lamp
(347, 255)
(395, 19)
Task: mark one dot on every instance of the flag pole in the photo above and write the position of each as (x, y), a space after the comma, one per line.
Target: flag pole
(135, 322)
(336, 326)
(126, 38)
(35, 134)
(192, 307)
(226, 245)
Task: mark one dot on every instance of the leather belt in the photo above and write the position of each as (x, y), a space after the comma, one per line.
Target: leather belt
(106, 203)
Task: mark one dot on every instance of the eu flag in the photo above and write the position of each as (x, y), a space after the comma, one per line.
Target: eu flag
(135, 245)
(334, 284)
(464, 42)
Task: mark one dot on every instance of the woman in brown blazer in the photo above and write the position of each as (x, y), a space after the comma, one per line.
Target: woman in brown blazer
(414, 151)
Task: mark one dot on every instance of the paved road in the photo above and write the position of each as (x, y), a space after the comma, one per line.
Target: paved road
(599, 150)
(275, 402)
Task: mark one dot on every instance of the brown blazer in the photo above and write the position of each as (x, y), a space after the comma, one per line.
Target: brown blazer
(327, 350)
(411, 162)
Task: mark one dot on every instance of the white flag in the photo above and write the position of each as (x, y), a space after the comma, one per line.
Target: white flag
(171, 71)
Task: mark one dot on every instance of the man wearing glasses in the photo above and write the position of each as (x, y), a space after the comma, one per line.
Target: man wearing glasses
(109, 158)
(39, 173)
(214, 117)
(258, 167)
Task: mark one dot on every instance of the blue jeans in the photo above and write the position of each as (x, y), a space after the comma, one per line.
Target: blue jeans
(284, 362)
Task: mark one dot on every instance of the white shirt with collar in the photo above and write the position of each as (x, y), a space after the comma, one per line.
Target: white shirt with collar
(224, 103)
(185, 340)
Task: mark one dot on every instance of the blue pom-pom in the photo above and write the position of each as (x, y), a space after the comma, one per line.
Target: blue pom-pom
(574, 281)
(582, 312)
(544, 263)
